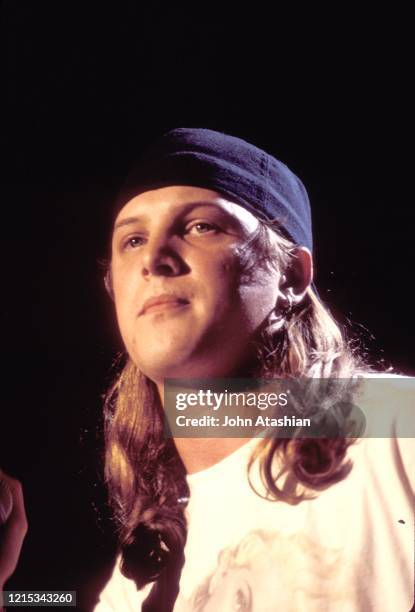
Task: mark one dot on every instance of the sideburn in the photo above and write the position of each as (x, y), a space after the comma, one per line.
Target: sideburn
(259, 254)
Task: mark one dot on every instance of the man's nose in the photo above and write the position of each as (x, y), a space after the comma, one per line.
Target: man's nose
(161, 258)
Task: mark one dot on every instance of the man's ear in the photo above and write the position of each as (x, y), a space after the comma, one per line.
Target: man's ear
(108, 283)
(298, 276)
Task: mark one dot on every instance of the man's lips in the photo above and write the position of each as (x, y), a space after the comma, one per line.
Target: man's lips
(162, 301)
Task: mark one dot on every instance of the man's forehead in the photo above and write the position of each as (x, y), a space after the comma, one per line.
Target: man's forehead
(177, 201)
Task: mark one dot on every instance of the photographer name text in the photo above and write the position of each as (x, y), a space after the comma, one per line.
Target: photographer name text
(238, 421)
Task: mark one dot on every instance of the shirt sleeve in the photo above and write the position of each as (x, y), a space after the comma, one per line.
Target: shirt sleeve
(120, 593)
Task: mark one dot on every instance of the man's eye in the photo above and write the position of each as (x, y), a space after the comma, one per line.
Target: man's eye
(202, 227)
(133, 242)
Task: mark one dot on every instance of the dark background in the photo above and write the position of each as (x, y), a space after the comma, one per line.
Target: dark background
(86, 86)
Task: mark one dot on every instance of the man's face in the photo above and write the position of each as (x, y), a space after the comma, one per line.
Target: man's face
(185, 308)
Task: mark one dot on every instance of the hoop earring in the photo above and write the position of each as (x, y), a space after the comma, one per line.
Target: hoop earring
(277, 319)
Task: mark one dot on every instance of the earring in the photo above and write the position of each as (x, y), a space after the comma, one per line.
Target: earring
(277, 319)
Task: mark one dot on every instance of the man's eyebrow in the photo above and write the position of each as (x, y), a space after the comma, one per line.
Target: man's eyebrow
(126, 221)
(185, 209)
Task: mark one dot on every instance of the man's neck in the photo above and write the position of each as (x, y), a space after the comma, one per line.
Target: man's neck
(199, 454)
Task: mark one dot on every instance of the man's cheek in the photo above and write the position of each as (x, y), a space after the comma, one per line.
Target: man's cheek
(227, 275)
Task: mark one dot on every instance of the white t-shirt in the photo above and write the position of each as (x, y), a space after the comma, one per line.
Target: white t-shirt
(351, 549)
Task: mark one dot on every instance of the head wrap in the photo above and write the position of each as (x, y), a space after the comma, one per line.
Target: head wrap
(240, 171)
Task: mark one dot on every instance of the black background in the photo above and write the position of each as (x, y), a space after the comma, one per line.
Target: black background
(87, 85)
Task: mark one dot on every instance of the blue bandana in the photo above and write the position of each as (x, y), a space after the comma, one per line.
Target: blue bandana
(238, 170)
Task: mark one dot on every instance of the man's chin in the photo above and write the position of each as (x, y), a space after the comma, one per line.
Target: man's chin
(174, 365)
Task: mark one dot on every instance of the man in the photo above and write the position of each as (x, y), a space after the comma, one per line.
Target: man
(211, 274)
